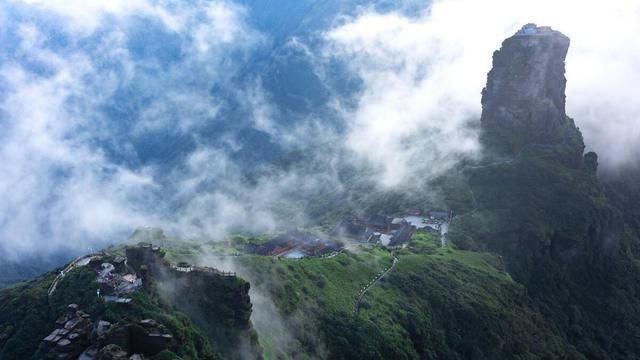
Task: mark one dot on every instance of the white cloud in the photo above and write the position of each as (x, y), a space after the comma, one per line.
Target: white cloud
(422, 77)
(411, 117)
(182, 110)
(217, 199)
(86, 16)
(54, 185)
(223, 25)
(59, 186)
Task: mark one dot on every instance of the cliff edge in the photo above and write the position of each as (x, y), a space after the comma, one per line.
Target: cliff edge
(523, 102)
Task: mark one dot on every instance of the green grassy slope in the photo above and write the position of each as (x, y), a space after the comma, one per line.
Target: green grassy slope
(435, 303)
(445, 303)
(27, 315)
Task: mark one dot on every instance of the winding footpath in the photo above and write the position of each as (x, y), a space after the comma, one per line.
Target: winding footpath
(444, 229)
(443, 240)
(363, 292)
(79, 261)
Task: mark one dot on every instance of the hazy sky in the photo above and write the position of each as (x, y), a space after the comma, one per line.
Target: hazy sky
(425, 74)
(67, 67)
(80, 80)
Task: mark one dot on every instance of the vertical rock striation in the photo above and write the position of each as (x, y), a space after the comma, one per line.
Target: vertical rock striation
(546, 201)
(524, 100)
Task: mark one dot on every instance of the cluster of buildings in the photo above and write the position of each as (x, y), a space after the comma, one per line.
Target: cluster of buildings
(147, 259)
(77, 337)
(532, 29)
(186, 267)
(294, 245)
(116, 281)
(391, 231)
(377, 229)
(71, 335)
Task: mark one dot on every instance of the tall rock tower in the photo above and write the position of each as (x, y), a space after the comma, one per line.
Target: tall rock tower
(524, 100)
(546, 202)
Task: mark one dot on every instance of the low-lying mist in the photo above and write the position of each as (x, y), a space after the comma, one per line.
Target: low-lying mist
(121, 114)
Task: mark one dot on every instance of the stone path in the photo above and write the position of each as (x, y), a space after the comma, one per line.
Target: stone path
(444, 229)
(78, 262)
(360, 296)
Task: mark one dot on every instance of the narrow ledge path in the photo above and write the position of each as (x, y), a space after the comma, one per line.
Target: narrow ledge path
(363, 292)
(79, 261)
(493, 164)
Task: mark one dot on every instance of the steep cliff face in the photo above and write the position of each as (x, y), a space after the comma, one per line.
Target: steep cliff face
(218, 302)
(524, 100)
(42, 321)
(541, 205)
(546, 199)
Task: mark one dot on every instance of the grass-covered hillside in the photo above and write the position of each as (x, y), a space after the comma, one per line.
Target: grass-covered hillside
(572, 245)
(29, 311)
(433, 303)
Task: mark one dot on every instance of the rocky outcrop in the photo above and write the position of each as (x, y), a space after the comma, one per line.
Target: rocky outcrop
(77, 337)
(71, 336)
(524, 100)
(543, 208)
(146, 336)
(544, 202)
(218, 302)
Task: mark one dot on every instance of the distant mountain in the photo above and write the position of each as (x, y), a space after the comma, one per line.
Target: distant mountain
(12, 271)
